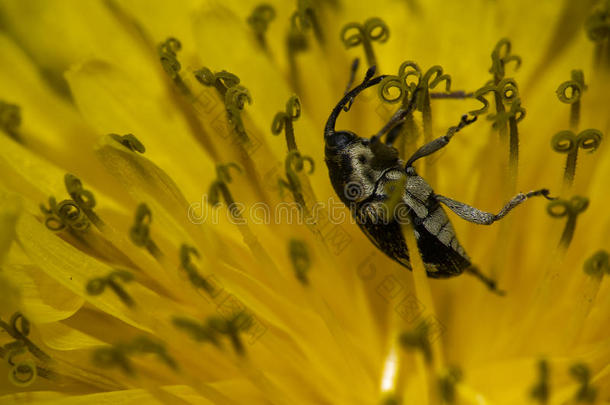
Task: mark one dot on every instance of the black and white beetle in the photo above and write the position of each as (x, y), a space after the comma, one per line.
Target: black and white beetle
(362, 170)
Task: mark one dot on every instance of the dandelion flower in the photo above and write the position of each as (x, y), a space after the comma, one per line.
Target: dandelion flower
(169, 233)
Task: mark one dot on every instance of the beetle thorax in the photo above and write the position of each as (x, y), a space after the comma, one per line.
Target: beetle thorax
(355, 171)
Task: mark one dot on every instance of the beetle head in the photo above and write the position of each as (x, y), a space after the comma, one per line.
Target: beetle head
(355, 164)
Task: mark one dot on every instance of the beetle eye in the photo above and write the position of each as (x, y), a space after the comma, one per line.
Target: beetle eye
(340, 139)
(362, 159)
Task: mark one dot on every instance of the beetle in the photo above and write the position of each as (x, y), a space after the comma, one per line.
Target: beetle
(364, 171)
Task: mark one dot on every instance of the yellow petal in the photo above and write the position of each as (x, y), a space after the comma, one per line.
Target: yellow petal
(113, 103)
(86, 29)
(9, 212)
(44, 299)
(58, 336)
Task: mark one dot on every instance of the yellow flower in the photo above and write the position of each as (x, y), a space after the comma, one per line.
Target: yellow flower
(159, 245)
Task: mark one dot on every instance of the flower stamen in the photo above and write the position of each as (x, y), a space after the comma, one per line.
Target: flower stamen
(598, 264)
(140, 231)
(10, 119)
(296, 42)
(118, 355)
(570, 92)
(373, 29)
(198, 332)
(130, 142)
(186, 253)
(540, 391)
(505, 91)
(283, 120)
(66, 214)
(259, 20)
(500, 57)
(24, 372)
(114, 356)
(96, 286)
(571, 209)
(598, 31)
(234, 95)
(83, 198)
(232, 327)
(514, 115)
(293, 165)
(447, 384)
(418, 92)
(305, 17)
(398, 88)
(418, 339)
(222, 80)
(214, 326)
(301, 261)
(568, 142)
(219, 188)
(167, 51)
(235, 101)
(581, 373)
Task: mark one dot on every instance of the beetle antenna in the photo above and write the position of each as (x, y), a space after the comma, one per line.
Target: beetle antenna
(352, 75)
(348, 98)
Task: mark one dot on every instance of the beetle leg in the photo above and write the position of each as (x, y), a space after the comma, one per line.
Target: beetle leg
(475, 215)
(393, 134)
(395, 121)
(392, 128)
(440, 142)
(491, 284)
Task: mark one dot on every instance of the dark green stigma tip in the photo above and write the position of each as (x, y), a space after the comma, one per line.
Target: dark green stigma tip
(571, 209)
(140, 231)
(585, 393)
(418, 339)
(301, 261)
(283, 120)
(372, 30)
(97, 286)
(541, 391)
(598, 264)
(259, 21)
(130, 142)
(186, 255)
(569, 143)
(10, 119)
(500, 57)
